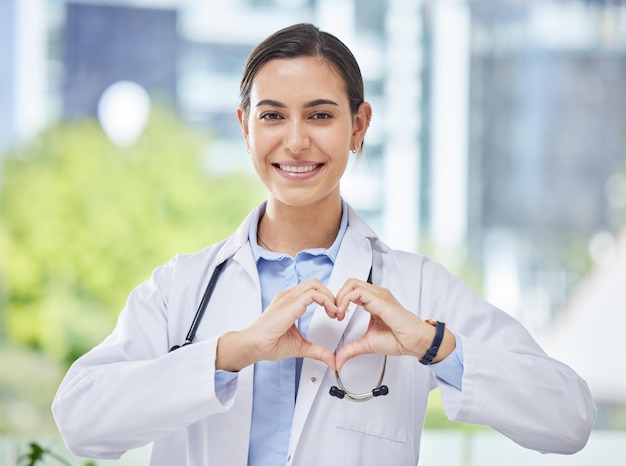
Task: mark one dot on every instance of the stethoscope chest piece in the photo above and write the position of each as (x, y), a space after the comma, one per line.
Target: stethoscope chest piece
(342, 392)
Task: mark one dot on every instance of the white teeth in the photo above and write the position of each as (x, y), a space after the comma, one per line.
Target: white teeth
(297, 169)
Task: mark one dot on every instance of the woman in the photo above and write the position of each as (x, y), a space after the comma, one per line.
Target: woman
(304, 287)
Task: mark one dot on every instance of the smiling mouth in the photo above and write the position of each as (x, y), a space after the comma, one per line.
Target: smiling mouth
(298, 168)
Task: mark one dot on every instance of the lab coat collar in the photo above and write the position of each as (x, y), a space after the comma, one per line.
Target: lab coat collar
(237, 247)
(354, 260)
(239, 239)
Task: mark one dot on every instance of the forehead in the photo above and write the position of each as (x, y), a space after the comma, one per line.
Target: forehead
(297, 77)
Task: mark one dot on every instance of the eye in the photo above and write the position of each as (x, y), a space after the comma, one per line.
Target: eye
(321, 116)
(270, 116)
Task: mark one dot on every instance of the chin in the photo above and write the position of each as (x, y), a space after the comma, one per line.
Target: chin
(304, 200)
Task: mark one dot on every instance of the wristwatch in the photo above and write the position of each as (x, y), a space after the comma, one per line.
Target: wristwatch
(432, 351)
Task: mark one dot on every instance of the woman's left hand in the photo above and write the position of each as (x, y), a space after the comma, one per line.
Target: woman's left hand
(392, 330)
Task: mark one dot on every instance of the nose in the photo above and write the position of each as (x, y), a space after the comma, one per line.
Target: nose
(296, 138)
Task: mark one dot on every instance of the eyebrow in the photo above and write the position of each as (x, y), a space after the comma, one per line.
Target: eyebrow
(312, 103)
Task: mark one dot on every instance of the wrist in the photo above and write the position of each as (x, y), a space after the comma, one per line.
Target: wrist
(441, 344)
(448, 344)
(433, 350)
(231, 354)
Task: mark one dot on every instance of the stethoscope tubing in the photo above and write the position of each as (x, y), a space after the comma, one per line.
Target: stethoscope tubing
(380, 388)
(202, 306)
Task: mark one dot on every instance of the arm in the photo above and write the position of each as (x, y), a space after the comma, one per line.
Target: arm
(509, 382)
(128, 391)
(450, 370)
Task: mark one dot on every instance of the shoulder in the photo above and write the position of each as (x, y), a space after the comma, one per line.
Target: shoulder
(197, 259)
(388, 256)
(403, 267)
(431, 274)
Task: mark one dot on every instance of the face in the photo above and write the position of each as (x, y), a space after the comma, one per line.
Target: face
(299, 130)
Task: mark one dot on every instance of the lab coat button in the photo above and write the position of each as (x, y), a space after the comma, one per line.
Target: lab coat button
(313, 379)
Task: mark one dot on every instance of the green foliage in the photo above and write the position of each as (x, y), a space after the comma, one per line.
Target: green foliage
(37, 454)
(83, 222)
(28, 382)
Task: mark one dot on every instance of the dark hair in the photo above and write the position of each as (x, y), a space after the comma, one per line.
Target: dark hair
(304, 40)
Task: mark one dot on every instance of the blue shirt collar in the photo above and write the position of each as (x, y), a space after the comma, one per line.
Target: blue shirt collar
(259, 252)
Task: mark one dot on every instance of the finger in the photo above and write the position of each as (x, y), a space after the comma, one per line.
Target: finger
(351, 350)
(380, 303)
(350, 285)
(317, 292)
(333, 311)
(352, 288)
(327, 302)
(360, 296)
(313, 351)
(296, 301)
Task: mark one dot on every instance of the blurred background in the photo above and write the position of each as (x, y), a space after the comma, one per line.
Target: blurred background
(497, 147)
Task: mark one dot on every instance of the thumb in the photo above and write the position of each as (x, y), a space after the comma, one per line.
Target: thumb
(351, 350)
(313, 351)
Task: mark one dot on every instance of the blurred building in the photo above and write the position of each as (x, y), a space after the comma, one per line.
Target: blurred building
(497, 143)
(23, 73)
(596, 315)
(105, 43)
(547, 138)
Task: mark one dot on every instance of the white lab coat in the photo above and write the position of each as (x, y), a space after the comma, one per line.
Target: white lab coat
(129, 391)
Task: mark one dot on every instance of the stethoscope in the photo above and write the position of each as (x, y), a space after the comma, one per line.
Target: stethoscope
(380, 389)
(339, 392)
(191, 334)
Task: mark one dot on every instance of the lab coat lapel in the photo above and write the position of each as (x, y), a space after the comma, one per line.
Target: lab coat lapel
(353, 261)
(219, 444)
(236, 246)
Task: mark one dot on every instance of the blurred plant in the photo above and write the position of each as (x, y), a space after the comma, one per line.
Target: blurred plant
(37, 454)
(28, 381)
(83, 222)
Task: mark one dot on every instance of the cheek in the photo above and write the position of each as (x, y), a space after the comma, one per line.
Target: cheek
(261, 141)
(336, 142)
(260, 167)
(342, 132)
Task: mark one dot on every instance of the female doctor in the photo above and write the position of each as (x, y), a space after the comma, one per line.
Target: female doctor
(318, 344)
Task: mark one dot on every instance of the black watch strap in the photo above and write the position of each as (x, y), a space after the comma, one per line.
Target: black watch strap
(432, 351)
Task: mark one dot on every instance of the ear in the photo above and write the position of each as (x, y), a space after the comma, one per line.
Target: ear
(242, 117)
(360, 124)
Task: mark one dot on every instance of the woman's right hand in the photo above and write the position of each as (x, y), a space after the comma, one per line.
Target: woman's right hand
(274, 335)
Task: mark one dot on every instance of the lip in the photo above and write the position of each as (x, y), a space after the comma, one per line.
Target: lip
(298, 171)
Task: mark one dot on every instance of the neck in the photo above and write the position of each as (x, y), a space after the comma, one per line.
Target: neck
(290, 229)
